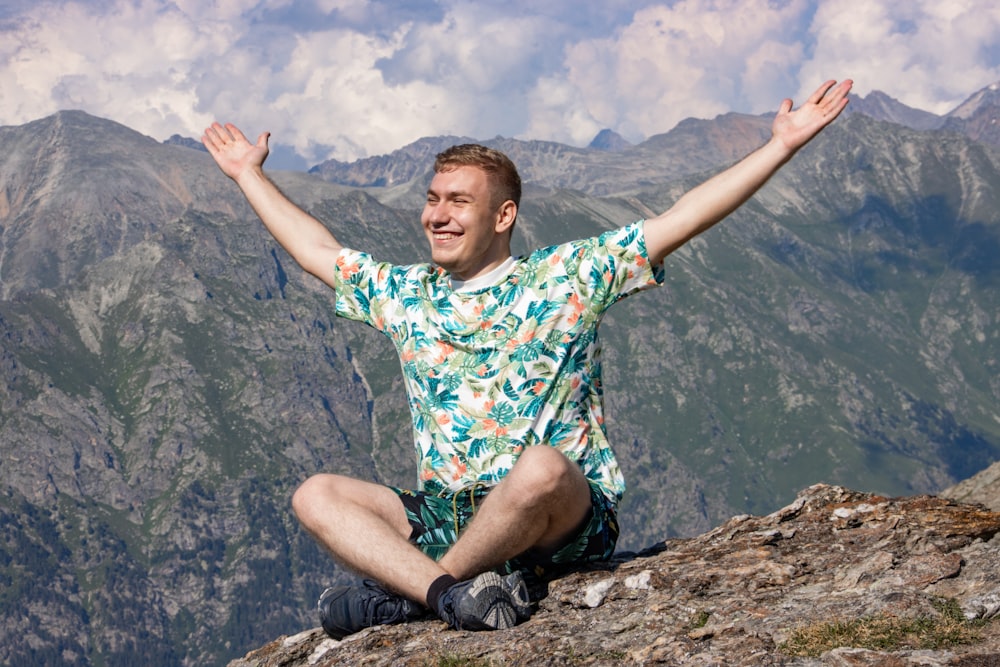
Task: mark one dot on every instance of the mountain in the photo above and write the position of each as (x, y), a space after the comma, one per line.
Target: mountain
(979, 116)
(880, 106)
(609, 140)
(170, 376)
(400, 167)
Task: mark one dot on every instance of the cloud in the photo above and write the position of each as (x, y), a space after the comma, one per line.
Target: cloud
(929, 54)
(693, 58)
(119, 63)
(348, 78)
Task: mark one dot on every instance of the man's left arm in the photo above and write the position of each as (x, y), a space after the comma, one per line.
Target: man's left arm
(705, 205)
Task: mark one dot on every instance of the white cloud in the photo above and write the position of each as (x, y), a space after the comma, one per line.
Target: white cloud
(692, 58)
(122, 65)
(929, 54)
(346, 78)
(338, 98)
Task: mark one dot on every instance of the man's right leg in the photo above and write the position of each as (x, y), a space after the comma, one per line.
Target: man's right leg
(364, 526)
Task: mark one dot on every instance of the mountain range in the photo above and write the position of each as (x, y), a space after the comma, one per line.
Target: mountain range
(169, 376)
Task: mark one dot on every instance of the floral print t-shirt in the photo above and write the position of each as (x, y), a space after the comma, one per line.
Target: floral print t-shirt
(516, 363)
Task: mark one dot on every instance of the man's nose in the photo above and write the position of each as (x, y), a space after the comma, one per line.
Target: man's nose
(437, 212)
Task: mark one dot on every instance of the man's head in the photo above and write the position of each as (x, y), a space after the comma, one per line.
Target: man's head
(471, 209)
(504, 181)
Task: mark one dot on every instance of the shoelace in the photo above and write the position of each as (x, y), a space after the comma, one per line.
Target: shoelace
(395, 603)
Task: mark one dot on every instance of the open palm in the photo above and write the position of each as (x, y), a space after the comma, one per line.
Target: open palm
(232, 151)
(796, 128)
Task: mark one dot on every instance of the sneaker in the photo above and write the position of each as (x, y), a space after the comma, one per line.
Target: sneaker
(344, 610)
(487, 602)
(518, 589)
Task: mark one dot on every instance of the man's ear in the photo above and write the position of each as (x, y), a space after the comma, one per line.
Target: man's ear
(506, 215)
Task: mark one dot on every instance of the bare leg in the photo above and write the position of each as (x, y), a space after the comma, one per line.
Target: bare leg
(364, 526)
(541, 501)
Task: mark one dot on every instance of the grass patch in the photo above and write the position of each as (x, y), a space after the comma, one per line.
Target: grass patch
(885, 632)
(700, 620)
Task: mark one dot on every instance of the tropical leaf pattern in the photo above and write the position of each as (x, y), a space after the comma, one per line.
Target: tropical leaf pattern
(437, 522)
(491, 371)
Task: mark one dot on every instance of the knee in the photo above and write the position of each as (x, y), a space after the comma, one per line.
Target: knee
(316, 492)
(543, 471)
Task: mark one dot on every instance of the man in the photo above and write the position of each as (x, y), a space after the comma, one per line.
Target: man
(501, 362)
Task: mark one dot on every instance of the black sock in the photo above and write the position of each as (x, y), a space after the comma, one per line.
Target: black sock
(437, 588)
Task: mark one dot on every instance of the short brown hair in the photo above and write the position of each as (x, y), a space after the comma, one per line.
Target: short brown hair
(503, 177)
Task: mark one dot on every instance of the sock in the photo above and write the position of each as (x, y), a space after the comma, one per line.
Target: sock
(437, 588)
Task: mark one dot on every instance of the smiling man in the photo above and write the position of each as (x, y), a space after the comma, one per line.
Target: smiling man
(501, 362)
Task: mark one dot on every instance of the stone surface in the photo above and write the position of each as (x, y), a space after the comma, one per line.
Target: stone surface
(731, 596)
(982, 488)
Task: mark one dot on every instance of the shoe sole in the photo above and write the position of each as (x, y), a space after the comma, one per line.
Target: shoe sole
(514, 583)
(488, 605)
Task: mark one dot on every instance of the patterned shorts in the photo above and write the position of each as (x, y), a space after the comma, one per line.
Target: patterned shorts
(437, 522)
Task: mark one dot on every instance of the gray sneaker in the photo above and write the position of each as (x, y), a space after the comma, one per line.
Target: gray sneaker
(344, 610)
(487, 602)
(518, 589)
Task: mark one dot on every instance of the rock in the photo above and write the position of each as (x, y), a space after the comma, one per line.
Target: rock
(983, 488)
(738, 595)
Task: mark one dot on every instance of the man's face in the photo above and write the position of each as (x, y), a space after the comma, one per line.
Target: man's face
(467, 233)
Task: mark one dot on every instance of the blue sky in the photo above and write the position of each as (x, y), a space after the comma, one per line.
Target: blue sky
(349, 78)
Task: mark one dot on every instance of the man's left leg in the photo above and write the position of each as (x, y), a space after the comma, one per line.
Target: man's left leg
(539, 505)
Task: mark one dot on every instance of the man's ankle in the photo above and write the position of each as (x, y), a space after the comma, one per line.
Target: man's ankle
(437, 589)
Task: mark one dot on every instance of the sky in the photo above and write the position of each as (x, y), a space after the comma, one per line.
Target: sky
(346, 79)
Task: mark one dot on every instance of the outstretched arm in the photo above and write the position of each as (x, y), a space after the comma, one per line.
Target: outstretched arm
(305, 238)
(701, 208)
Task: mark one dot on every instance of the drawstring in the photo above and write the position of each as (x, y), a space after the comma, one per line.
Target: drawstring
(471, 489)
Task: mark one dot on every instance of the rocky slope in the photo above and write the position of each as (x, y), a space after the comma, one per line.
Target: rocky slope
(835, 578)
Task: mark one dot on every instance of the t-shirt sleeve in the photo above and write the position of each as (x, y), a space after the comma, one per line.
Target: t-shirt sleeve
(364, 288)
(621, 266)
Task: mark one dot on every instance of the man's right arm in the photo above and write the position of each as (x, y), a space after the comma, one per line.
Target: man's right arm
(304, 237)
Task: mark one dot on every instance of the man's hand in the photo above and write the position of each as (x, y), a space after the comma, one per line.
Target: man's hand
(304, 237)
(710, 202)
(795, 128)
(231, 150)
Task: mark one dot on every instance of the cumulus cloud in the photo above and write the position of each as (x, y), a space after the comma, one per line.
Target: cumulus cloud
(929, 54)
(693, 58)
(348, 78)
(120, 62)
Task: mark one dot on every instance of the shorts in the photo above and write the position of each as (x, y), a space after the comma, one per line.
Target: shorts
(437, 521)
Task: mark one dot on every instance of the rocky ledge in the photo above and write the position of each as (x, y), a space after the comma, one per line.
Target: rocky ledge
(836, 578)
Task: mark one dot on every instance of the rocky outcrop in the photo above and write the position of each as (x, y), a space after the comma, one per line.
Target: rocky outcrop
(982, 488)
(913, 578)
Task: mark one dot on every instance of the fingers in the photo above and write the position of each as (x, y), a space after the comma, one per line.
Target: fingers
(220, 135)
(215, 137)
(235, 133)
(817, 96)
(832, 101)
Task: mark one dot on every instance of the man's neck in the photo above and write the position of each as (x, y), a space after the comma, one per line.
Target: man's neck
(482, 280)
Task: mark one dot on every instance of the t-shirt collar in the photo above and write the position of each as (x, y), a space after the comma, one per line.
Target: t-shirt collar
(479, 282)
